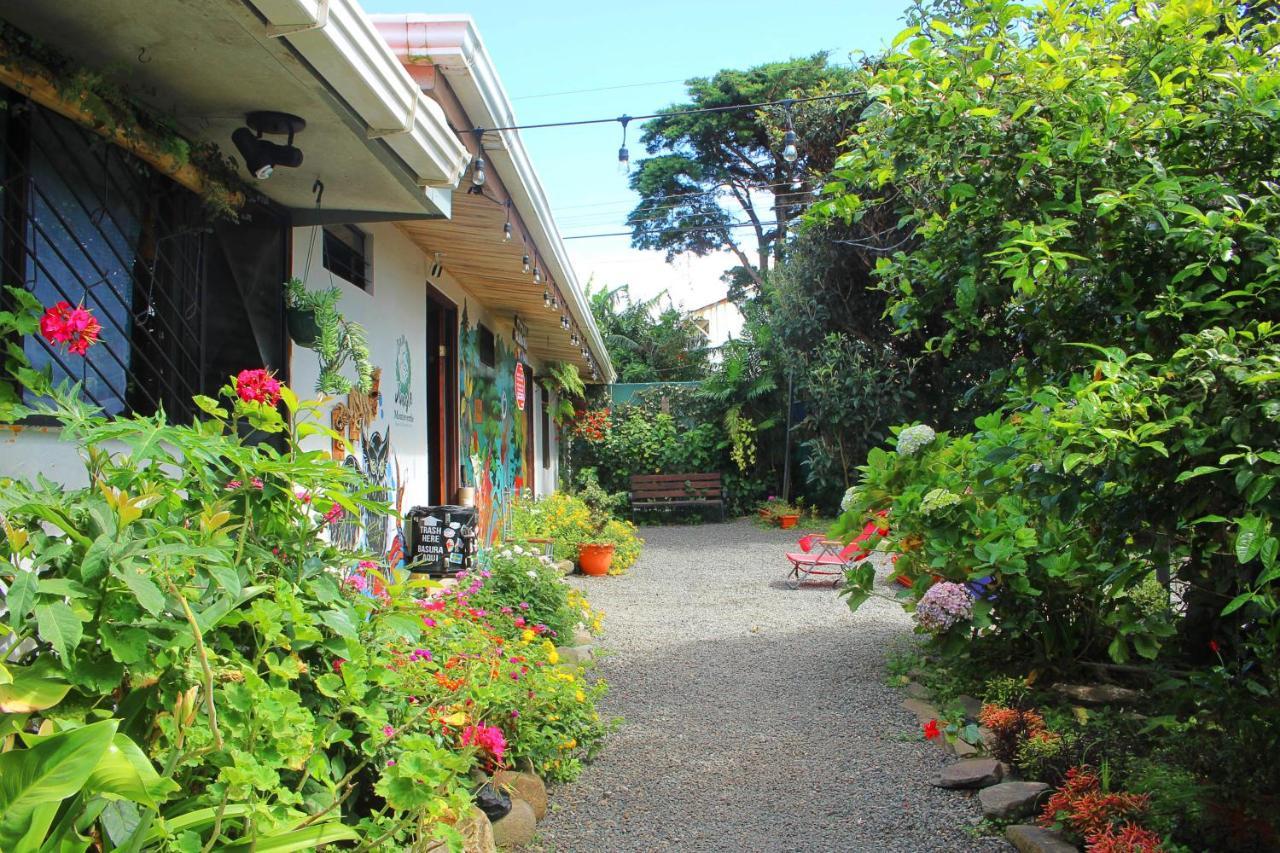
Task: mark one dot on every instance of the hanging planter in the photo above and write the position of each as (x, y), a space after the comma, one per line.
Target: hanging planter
(314, 323)
(303, 328)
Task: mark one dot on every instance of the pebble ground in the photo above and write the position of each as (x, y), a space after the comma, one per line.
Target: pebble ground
(756, 718)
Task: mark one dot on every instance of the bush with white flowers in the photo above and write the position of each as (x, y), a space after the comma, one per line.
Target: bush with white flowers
(911, 439)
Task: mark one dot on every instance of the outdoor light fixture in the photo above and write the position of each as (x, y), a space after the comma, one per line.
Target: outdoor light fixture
(789, 152)
(624, 156)
(546, 299)
(564, 322)
(525, 263)
(537, 274)
(477, 167)
(261, 156)
(506, 226)
(555, 301)
(437, 267)
(574, 339)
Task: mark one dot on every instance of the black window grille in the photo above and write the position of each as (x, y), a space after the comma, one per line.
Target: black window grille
(346, 254)
(488, 346)
(83, 221)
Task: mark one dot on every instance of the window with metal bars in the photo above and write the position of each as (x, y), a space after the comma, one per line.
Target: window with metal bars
(83, 221)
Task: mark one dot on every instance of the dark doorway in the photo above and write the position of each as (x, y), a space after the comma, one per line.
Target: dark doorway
(442, 397)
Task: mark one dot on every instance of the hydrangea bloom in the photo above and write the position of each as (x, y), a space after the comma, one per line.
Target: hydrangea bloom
(938, 499)
(944, 605)
(258, 386)
(911, 439)
(850, 495)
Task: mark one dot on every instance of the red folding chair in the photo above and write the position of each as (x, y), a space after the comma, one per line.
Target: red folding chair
(818, 556)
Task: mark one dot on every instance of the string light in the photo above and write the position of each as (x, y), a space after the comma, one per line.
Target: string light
(506, 226)
(789, 140)
(789, 152)
(546, 299)
(525, 262)
(477, 169)
(624, 156)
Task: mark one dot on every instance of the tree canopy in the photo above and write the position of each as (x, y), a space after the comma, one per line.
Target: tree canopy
(717, 180)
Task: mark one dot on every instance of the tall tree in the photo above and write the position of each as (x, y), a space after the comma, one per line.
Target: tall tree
(718, 181)
(646, 341)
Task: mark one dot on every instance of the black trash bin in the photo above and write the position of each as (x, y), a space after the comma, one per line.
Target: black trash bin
(442, 539)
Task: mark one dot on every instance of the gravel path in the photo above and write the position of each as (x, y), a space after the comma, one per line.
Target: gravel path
(756, 717)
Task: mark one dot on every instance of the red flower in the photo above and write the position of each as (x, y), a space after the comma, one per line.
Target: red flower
(931, 730)
(334, 513)
(1215, 647)
(76, 327)
(258, 386)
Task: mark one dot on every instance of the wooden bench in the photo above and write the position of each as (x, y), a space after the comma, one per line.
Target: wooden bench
(667, 491)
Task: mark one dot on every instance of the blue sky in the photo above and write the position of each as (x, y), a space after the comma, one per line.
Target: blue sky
(565, 46)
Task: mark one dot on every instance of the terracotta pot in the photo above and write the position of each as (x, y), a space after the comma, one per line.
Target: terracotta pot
(302, 326)
(595, 560)
(786, 522)
(765, 513)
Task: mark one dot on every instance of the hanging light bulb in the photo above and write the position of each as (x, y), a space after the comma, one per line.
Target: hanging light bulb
(525, 263)
(555, 302)
(573, 339)
(546, 299)
(624, 156)
(506, 226)
(564, 322)
(789, 152)
(477, 169)
(584, 352)
(537, 274)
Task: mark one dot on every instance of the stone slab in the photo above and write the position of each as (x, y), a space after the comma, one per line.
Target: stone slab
(970, 773)
(1012, 800)
(1036, 839)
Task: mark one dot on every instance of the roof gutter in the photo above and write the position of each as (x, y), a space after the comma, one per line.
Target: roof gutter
(453, 46)
(340, 42)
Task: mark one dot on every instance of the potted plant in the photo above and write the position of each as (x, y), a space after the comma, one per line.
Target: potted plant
(314, 323)
(595, 551)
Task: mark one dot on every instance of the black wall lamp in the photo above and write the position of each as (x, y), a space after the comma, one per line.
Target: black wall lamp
(261, 156)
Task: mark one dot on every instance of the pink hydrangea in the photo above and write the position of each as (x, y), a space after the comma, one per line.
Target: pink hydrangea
(944, 605)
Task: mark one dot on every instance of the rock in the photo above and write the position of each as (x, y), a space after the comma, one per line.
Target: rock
(477, 835)
(525, 786)
(916, 690)
(1099, 694)
(988, 738)
(962, 749)
(923, 710)
(518, 827)
(582, 637)
(565, 567)
(576, 655)
(1012, 800)
(970, 773)
(493, 801)
(972, 707)
(1035, 839)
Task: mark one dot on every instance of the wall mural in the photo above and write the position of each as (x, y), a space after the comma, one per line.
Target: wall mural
(492, 430)
(375, 460)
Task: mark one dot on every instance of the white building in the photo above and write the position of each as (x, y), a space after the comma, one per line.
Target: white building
(383, 206)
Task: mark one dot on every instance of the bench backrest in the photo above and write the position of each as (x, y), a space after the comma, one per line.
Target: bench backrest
(675, 486)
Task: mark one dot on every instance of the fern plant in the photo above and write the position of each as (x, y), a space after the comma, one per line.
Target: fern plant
(338, 340)
(563, 380)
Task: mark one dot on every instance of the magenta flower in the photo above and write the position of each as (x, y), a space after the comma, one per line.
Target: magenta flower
(388, 731)
(258, 386)
(334, 513)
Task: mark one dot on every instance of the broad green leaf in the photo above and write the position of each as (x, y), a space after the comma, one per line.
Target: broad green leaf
(126, 773)
(59, 626)
(1238, 602)
(1248, 538)
(143, 588)
(308, 838)
(21, 597)
(29, 691)
(47, 773)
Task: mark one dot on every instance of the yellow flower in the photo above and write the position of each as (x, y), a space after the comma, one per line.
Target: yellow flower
(580, 696)
(527, 636)
(570, 743)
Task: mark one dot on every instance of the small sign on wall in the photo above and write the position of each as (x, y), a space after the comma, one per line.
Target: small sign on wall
(520, 386)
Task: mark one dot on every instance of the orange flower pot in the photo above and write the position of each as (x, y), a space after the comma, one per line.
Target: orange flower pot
(786, 522)
(595, 560)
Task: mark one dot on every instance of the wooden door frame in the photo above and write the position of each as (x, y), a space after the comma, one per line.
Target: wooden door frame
(447, 477)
